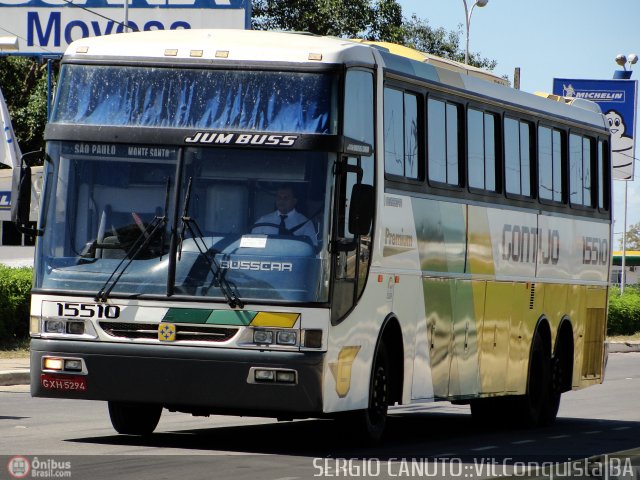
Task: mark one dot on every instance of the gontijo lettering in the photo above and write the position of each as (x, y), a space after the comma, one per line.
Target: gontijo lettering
(523, 244)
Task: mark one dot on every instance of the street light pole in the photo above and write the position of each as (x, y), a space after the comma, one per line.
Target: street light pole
(467, 13)
(624, 75)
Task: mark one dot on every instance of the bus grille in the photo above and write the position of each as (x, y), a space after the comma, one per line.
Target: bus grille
(183, 332)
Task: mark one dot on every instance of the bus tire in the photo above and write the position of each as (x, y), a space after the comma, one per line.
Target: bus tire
(556, 378)
(534, 402)
(371, 422)
(134, 418)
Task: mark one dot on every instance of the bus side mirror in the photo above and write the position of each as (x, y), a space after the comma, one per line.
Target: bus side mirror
(361, 209)
(21, 205)
(21, 195)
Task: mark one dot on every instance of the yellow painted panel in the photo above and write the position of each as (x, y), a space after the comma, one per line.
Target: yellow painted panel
(341, 370)
(438, 295)
(464, 375)
(593, 344)
(555, 304)
(274, 319)
(597, 297)
(494, 347)
(479, 250)
(577, 300)
(522, 315)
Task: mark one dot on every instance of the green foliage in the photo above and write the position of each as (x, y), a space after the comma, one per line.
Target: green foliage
(15, 288)
(373, 20)
(418, 34)
(633, 237)
(23, 81)
(379, 20)
(624, 311)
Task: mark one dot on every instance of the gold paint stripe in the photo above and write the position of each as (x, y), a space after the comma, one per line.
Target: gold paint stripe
(274, 319)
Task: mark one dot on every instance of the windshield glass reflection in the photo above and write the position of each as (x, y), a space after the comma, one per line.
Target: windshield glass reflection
(250, 223)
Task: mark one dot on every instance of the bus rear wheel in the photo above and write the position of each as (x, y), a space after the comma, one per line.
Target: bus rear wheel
(556, 374)
(530, 408)
(134, 418)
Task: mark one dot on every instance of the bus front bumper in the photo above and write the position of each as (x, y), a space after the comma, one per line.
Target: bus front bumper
(191, 379)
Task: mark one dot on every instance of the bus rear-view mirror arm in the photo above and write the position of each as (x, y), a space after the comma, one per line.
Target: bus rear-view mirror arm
(21, 195)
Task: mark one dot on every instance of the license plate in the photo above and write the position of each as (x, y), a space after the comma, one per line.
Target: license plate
(63, 382)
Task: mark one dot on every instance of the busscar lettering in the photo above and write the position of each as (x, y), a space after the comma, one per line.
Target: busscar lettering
(256, 265)
(525, 244)
(256, 139)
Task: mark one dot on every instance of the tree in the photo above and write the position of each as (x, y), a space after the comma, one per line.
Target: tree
(379, 20)
(420, 35)
(23, 81)
(633, 237)
(373, 20)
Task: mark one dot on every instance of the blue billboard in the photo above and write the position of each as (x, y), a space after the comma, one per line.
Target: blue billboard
(617, 100)
(46, 27)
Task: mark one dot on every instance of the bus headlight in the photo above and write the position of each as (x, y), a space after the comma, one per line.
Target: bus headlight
(287, 337)
(75, 328)
(276, 336)
(60, 326)
(263, 337)
(55, 326)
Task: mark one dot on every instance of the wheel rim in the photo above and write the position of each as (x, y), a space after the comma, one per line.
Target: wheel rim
(379, 396)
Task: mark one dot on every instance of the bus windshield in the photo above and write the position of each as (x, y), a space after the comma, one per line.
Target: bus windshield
(268, 101)
(111, 222)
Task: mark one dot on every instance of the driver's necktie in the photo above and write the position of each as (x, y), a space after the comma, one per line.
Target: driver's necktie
(282, 229)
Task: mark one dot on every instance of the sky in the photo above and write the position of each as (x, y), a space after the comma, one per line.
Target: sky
(550, 39)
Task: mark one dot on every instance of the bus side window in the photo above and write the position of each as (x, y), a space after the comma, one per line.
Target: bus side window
(481, 150)
(550, 159)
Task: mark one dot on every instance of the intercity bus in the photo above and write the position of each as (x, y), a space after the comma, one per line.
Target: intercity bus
(460, 245)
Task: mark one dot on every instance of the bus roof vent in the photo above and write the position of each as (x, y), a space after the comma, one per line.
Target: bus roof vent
(576, 102)
(436, 61)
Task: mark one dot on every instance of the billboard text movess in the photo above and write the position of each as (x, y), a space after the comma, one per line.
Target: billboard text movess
(48, 26)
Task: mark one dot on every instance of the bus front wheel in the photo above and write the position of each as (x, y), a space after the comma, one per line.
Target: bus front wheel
(134, 418)
(371, 422)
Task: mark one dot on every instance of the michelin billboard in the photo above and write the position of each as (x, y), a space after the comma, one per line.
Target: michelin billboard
(617, 100)
(46, 27)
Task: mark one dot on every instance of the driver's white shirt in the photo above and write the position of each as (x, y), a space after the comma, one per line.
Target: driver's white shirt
(294, 218)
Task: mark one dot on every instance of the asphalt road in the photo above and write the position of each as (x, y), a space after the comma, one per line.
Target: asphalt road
(74, 439)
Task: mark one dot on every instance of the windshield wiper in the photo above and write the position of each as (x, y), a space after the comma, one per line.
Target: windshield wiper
(228, 289)
(144, 238)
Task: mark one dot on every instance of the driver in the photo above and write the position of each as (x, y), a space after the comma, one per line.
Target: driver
(286, 220)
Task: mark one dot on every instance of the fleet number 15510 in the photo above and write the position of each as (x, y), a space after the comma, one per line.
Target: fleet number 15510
(88, 310)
